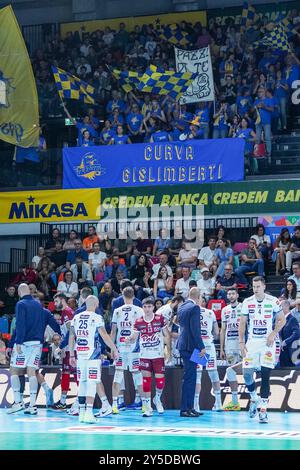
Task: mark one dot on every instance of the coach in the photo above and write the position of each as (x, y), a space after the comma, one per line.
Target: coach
(189, 339)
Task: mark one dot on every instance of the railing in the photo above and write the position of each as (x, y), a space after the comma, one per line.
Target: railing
(17, 258)
(4, 275)
(37, 35)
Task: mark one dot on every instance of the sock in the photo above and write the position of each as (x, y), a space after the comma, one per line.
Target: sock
(158, 393)
(89, 408)
(45, 387)
(33, 386)
(235, 399)
(115, 401)
(196, 401)
(21, 397)
(148, 402)
(15, 383)
(63, 398)
(253, 396)
(22, 383)
(120, 398)
(81, 406)
(137, 397)
(218, 399)
(264, 404)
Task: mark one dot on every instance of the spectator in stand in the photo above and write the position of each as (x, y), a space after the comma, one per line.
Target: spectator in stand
(263, 242)
(107, 133)
(117, 280)
(59, 257)
(206, 284)
(82, 273)
(123, 246)
(134, 122)
(220, 234)
(68, 286)
(70, 242)
(47, 280)
(296, 276)
(289, 292)
(163, 261)
(187, 255)
(140, 277)
(79, 252)
(264, 108)
(8, 302)
(85, 125)
(26, 275)
(106, 298)
(119, 138)
(50, 243)
(223, 256)
(294, 251)
(282, 245)
(251, 260)
(175, 244)
(161, 243)
(245, 132)
(163, 284)
(289, 335)
(182, 285)
(87, 140)
(296, 311)
(221, 120)
(207, 254)
(37, 258)
(111, 270)
(282, 94)
(226, 282)
(97, 259)
(89, 241)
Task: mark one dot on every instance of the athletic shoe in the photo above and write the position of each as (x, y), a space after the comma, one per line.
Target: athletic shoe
(15, 408)
(104, 412)
(115, 410)
(253, 408)
(158, 405)
(263, 417)
(217, 408)
(59, 407)
(121, 406)
(135, 406)
(74, 410)
(81, 415)
(49, 397)
(232, 407)
(147, 413)
(31, 410)
(89, 418)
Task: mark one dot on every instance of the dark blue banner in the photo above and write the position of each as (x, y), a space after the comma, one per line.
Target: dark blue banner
(194, 161)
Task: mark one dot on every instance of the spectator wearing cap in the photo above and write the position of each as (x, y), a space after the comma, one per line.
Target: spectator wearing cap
(226, 282)
(206, 284)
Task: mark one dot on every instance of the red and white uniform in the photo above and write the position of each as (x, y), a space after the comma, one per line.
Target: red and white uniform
(151, 343)
(129, 353)
(231, 317)
(66, 316)
(208, 320)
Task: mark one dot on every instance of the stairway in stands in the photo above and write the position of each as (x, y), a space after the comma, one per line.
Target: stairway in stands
(286, 148)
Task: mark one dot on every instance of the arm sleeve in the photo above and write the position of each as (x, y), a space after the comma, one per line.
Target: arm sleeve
(20, 324)
(196, 328)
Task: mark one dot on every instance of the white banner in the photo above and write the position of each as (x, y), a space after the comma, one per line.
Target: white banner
(198, 61)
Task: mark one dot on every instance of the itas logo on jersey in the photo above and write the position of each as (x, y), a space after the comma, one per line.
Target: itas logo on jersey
(82, 333)
(259, 323)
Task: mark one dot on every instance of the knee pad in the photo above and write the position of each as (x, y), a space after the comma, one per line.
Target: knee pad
(231, 374)
(159, 383)
(91, 388)
(118, 377)
(147, 384)
(199, 376)
(214, 376)
(82, 390)
(137, 379)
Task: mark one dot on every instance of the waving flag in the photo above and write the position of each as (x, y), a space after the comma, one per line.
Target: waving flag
(275, 39)
(173, 34)
(73, 88)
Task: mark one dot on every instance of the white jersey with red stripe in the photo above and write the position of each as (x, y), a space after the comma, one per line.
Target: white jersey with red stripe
(261, 315)
(86, 325)
(231, 317)
(151, 337)
(124, 317)
(66, 316)
(207, 320)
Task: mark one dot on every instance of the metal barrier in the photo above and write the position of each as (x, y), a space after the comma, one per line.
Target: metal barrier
(4, 275)
(37, 35)
(17, 258)
(33, 242)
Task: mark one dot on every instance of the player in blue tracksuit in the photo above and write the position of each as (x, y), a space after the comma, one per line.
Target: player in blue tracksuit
(31, 321)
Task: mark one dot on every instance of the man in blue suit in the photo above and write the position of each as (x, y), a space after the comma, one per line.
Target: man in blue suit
(189, 339)
(289, 336)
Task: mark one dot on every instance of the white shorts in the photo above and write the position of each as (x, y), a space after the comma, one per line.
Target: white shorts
(233, 357)
(29, 357)
(89, 370)
(259, 355)
(130, 361)
(212, 361)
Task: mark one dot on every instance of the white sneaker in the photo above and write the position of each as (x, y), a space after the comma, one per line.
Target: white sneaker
(104, 412)
(74, 410)
(197, 408)
(89, 418)
(31, 410)
(216, 408)
(147, 412)
(158, 405)
(81, 416)
(15, 407)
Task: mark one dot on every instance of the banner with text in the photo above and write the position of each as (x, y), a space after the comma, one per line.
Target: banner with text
(197, 61)
(49, 206)
(194, 161)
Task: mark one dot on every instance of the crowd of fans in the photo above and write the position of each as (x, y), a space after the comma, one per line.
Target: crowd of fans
(164, 268)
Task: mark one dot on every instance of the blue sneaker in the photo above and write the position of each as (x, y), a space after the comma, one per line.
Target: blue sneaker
(121, 406)
(49, 397)
(135, 406)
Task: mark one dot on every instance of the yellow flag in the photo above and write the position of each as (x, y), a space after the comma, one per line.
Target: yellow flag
(19, 112)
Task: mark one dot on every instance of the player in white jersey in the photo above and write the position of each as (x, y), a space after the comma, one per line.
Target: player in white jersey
(84, 338)
(264, 316)
(229, 345)
(129, 353)
(209, 330)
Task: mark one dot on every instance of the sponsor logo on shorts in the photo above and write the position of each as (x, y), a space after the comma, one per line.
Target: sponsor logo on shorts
(82, 348)
(93, 373)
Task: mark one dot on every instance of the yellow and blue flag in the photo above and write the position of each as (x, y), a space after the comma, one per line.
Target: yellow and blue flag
(128, 79)
(249, 15)
(71, 87)
(289, 27)
(19, 110)
(173, 34)
(275, 39)
(170, 83)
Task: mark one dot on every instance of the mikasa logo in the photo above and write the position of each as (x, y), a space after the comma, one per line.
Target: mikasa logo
(32, 210)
